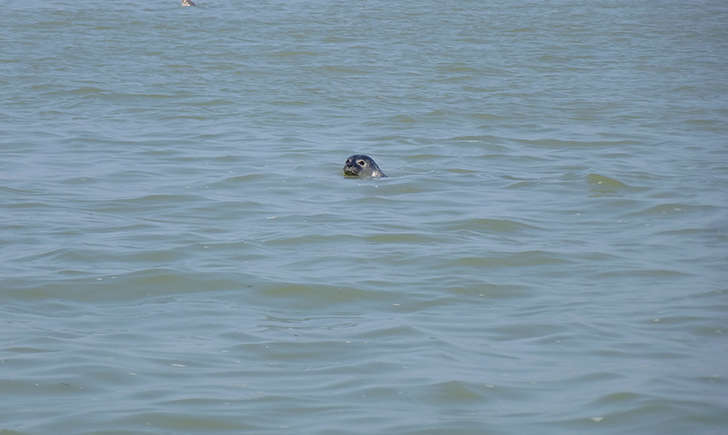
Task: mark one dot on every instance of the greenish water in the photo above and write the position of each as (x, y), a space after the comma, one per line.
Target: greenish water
(180, 252)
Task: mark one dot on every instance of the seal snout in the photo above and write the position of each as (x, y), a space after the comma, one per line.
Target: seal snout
(351, 168)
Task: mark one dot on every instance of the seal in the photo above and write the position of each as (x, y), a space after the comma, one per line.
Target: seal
(188, 3)
(361, 165)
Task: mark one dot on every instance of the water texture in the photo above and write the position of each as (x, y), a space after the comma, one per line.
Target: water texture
(180, 252)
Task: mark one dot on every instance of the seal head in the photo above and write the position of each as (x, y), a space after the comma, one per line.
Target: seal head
(186, 3)
(360, 165)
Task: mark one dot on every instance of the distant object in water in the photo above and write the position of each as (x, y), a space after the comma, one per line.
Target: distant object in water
(360, 165)
(188, 3)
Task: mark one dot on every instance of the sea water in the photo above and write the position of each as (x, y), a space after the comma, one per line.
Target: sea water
(181, 253)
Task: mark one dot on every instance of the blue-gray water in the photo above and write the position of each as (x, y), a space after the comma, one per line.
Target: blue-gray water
(180, 253)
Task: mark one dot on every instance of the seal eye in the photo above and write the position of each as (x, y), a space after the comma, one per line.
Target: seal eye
(362, 163)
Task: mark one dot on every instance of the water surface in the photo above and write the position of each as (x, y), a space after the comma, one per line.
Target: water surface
(180, 253)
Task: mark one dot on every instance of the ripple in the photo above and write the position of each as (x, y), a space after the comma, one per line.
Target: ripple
(518, 259)
(237, 180)
(672, 209)
(305, 240)
(486, 290)
(602, 184)
(149, 202)
(404, 238)
(561, 144)
(643, 273)
(489, 225)
(183, 422)
(315, 296)
(139, 284)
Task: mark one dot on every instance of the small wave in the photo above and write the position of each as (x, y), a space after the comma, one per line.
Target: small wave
(306, 240)
(149, 201)
(348, 70)
(139, 284)
(519, 259)
(672, 209)
(239, 179)
(83, 91)
(402, 119)
(523, 185)
(425, 157)
(312, 296)
(490, 291)
(463, 171)
(407, 238)
(490, 225)
(386, 331)
(27, 205)
(293, 53)
(600, 184)
(561, 144)
(642, 273)
(79, 180)
(601, 180)
(451, 392)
